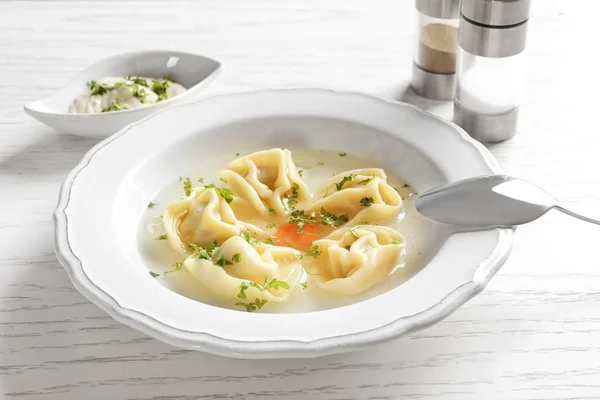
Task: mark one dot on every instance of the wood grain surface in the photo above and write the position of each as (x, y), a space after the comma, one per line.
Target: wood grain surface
(534, 333)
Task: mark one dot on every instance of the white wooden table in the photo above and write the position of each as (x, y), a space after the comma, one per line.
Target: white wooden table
(533, 334)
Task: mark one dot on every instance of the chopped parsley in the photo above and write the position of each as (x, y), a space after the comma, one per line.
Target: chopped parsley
(225, 193)
(98, 89)
(115, 106)
(271, 225)
(365, 181)
(347, 178)
(298, 256)
(222, 179)
(201, 180)
(204, 253)
(177, 266)
(247, 236)
(320, 163)
(313, 252)
(343, 154)
(222, 262)
(162, 237)
(274, 283)
(270, 241)
(187, 186)
(154, 274)
(160, 88)
(138, 81)
(138, 92)
(271, 211)
(332, 219)
(353, 234)
(366, 201)
(151, 204)
(302, 286)
(256, 305)
(405, 185)
(237, 154)
(396, 242)
(347, 247)
(300, 172)
(237, 257)
(300, 218)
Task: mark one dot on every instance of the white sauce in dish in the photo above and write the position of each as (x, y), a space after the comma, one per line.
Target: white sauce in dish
(116, 94)
(317, 167)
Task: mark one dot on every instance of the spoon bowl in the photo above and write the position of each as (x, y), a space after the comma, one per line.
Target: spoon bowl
(489, 201)
(190, 70)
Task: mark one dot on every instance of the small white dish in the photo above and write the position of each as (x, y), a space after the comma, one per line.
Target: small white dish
(105, 198)
(190, 70)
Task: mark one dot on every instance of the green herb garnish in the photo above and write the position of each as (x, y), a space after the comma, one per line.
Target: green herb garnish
(366, 202)
(332, 219)
(353, 234)
(177, 266)
(204, 253)
(270, 241)
(300, 172)
(222, 262)
(313, 252)
(201, 180)
(151, 204)
(271, 225)
(247, 236)
(162, 237)
(115, 106)
(405, 185)
(271, 211)
(274, 283)
(154, 274)
(237, 257)
(222, 179)
(225, 193)
(320, 163)
(342, 154)
(237, 154)
(365, 181)
(347, 178)
(98, 89)
(160, 88)
(187, 186)
(300, 218)
(302, 286)
(395, 242)
(138, 81)
(256, 305)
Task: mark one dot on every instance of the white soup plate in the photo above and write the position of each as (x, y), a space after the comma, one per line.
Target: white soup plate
(190, 70)
(104, 199)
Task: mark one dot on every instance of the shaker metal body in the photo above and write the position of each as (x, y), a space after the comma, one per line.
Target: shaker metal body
(491, 67)
(434, 61)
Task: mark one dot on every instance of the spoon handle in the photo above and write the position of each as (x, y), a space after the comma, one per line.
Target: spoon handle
(578, 216)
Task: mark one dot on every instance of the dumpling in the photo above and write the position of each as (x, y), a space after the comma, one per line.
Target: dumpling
(203, 217)
(363, 194)
(350, 261)
(263, 271)
(264, 181)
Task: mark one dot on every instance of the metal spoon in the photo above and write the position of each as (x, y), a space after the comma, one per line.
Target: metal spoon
(489, 201)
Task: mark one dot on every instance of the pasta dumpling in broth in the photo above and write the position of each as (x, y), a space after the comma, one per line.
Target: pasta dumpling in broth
(263, 180)
(363, 194)
(205, 216)
(239, 270)
(350, 261)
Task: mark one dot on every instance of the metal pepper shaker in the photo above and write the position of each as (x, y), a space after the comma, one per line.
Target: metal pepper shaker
(434, 61)
(491, 67)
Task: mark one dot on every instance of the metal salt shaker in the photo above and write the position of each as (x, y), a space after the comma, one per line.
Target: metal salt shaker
(491, 67)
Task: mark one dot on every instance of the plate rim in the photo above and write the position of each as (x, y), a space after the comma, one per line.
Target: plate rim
(273, 348)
